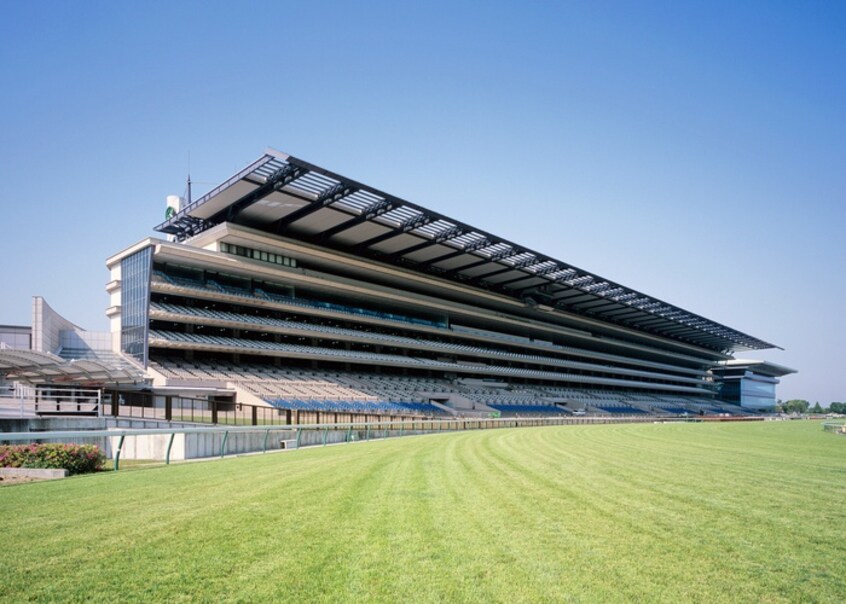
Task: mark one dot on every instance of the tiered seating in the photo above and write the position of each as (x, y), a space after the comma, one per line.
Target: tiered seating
(259, 294)
(528, 410)
(646, 399)
(164, 338)
(355, 390)
(722, 407)
(403, 388)
(307, 390)
(456, 348)
(371, 408)
(619, 408)
(582, 397)
(236, 344)
(496, 396)
(161, 277)
(670, 408)
(657, 403)
(675, 400)
(272, 389)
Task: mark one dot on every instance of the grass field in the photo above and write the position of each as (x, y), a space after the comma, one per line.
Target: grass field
(647, 512)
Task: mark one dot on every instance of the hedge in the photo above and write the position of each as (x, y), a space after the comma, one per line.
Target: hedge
(76, 459)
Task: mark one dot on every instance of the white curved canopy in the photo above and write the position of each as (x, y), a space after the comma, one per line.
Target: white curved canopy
(43, 367)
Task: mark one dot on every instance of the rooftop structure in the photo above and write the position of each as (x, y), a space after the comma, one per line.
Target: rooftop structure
(283, 195)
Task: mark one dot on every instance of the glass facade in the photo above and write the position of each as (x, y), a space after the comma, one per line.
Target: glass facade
(135, 302)
(757, 394)
(754, 392)
(15, 337)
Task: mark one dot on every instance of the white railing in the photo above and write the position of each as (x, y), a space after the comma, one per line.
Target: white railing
(302, 435)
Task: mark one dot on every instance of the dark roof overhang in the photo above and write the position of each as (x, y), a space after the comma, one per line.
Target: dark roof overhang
(284, 195)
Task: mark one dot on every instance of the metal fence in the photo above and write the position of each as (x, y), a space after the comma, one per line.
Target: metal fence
(28, 402)
(199, 410)
(46, 401)
(837, 427)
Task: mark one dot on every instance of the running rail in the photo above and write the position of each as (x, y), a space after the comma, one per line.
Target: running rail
(422, 425)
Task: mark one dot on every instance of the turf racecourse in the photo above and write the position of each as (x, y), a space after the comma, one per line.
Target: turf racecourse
(649, 513)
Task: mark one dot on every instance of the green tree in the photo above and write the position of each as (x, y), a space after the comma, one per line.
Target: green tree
(796, 405)
(817, 408)
(837, 407)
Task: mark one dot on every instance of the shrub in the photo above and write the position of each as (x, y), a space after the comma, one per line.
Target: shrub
(76, 459)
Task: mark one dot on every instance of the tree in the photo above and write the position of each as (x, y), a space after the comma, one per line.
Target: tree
(817, 408)
(837, 407)
(796, 405)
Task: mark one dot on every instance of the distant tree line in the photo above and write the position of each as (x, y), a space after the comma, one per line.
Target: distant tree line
(798, 405)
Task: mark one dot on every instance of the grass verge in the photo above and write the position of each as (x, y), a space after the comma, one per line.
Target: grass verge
(642, 512)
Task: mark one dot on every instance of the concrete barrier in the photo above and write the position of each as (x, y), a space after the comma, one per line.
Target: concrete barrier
(40, 473)
(156, 440)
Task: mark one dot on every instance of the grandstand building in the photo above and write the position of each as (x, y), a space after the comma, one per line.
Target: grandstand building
(291, 287)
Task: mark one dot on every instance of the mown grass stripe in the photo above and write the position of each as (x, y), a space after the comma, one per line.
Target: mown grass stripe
(657, 513)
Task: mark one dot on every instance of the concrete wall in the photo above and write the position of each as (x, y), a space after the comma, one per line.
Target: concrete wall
(47, 326)
(152, 446)
(50, 331)
(195, 446)
(43, 424)
(185, 446)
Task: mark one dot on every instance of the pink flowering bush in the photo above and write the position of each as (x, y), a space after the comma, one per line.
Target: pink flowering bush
(76, 459)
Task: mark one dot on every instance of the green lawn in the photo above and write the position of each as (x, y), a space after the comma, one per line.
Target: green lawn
(644, 512)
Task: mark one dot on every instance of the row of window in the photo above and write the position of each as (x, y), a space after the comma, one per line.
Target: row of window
(247, 252)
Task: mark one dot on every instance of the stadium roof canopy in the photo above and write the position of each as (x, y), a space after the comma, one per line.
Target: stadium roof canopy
(290, 197)
(43, 367)
(755, 366)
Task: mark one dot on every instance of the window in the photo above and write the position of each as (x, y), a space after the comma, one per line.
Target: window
(270, 257)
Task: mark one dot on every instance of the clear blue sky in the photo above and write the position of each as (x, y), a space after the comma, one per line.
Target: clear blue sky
(693, 151)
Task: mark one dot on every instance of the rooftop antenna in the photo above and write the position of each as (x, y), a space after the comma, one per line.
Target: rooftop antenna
(189, 178)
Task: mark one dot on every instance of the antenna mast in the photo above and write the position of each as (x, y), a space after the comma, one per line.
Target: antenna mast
(189, 178)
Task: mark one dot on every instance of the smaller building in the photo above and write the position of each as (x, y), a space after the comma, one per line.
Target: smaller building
(18, 337)
(750, 384)
(57, 367)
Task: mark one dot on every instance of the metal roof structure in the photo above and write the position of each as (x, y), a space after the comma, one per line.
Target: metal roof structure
(755, 366)
(43, 367)
(286, 196)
